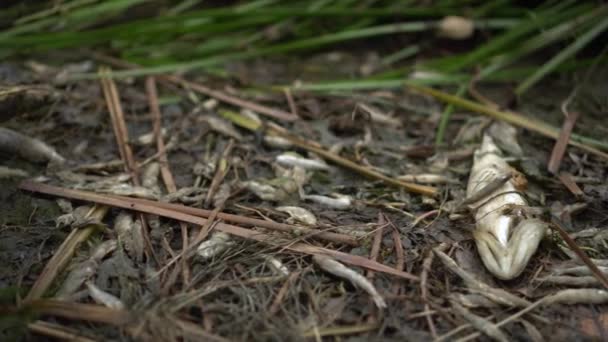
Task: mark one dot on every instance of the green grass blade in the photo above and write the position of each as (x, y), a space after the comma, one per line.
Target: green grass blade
(568, 52)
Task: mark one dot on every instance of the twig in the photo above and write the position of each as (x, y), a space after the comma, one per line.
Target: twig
(64, 253)
(558, 224)
(122, 140)
(399, 255)
(220, 172)
(568, 180)
(274, 308)
(131, 204)
(562, 142)
(164, 162)
(377, 242)
(424, 291)
(57, 331)
(258, 108)
(292, 105)
(316, 233)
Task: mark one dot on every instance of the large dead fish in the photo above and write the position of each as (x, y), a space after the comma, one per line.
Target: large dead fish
(506, 236)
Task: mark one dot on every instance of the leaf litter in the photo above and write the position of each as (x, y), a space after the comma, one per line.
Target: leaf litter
(255, 275)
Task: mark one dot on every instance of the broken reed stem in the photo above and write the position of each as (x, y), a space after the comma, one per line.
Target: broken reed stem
(310, 146)
(221, 170)
(221, 96)
(121, 133)
(64, 254)
(276, 303)
(424, 291)
(151, 208)
(377, 242)
(559, 149)
(57, 331)
(515, 119)
(601, 277)
(163, 160)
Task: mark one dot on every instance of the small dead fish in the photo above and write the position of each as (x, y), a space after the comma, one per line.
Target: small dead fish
(299, 214)
(378, 117)
(130, 235)
(341, 202)
(149, 138)
(85, 270)
(217, 243)
(74, 218)
(6, 172)
(334, 267)
(31, 149)
(292, 159)
(276, 265)
(149, 177)
(223, 127)
(130, 191)
(265, 191)
(276, 141)
(103, 297)
(426, 178)
(578, 296)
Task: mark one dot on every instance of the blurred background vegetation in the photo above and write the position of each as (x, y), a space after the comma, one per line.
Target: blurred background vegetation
(516, 42)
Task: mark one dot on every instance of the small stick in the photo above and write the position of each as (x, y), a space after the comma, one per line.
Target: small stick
(292, 104)
(57, 331)
(224, 97)
(150, 208)
(377, 242)
(222, 168)
(559, 149)
(164, 162)
(399, 255)
(558, 224)
(424, 291)
(274, 308)
(568, 180)
(122, 139)
(486, 190)
(64, 253)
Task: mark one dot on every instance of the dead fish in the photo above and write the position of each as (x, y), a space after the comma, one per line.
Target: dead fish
(299, 214)
(130, 191)
(102, 297)
(6, 172)
(149, 138)
(292, 159)
(340, 202)
(130, 235)
(505, 241)
(217, 243)
(223, 127)
(334, 267)
(426, 178)
(34, 150)
(265, 191)
(276, 265)
(276, 141)
(84, 270)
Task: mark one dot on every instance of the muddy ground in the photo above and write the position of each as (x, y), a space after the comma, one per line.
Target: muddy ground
(313, 305)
